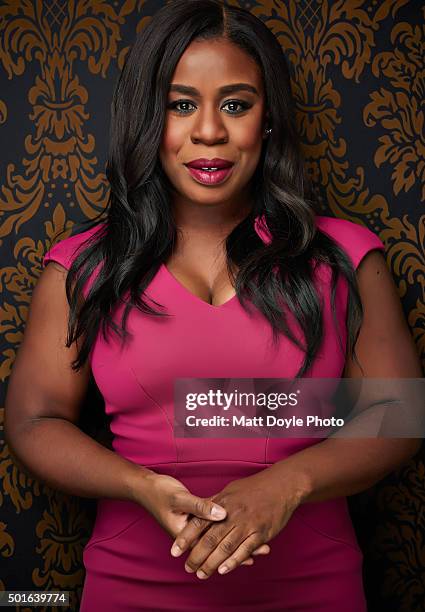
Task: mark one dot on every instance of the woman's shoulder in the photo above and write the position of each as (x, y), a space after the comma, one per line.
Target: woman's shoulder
(65, 251)
(356, 240)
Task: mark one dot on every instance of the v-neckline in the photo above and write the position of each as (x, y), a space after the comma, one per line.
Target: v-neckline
(193, 296)
(262, 231)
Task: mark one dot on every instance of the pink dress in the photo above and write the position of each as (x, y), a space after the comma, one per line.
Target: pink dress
(315, 564)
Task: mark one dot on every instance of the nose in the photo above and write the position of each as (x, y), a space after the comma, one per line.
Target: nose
(209, 126)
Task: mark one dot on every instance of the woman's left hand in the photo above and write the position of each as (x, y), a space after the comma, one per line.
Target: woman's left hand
(258, 507)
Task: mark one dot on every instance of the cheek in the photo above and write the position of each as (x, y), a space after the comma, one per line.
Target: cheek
(252, 142)
(250, 146)
(249, 137)
(172, 139)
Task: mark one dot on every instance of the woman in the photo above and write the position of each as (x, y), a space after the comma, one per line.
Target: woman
(190, 275)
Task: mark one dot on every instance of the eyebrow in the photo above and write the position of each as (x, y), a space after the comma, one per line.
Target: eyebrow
(226, 89)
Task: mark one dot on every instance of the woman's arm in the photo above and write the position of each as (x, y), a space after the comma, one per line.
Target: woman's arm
(385, 349)
(43, 405)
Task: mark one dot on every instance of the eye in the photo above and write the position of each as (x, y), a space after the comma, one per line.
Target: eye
(177, 103)
(244, 105)
(174, 105)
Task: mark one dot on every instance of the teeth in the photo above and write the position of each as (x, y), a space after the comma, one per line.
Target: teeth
(209, 169)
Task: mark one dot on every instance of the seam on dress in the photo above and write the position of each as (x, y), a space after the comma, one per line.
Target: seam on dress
(326, 535)
(164, 414)
(212, 461)
(112, 537)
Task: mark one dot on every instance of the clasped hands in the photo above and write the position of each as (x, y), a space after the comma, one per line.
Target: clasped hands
(254, 510)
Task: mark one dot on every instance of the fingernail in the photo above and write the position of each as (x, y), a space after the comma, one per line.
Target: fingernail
(223, 570)
(217, 512)
(176, 551)
(201, 574)
(189, 569)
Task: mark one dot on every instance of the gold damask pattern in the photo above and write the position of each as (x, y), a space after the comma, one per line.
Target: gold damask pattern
(359, 93)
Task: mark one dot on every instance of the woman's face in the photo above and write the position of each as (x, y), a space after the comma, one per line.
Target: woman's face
(206, 123)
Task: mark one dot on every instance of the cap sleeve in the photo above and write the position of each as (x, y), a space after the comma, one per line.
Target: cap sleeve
(355, 239)
(65, 251)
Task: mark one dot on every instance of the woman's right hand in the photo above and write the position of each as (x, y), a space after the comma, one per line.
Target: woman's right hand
(172, 505)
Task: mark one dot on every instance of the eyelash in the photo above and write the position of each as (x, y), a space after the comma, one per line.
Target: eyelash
(173, 105)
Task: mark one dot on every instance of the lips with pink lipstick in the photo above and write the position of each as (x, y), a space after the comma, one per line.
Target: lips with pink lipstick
(210, 171)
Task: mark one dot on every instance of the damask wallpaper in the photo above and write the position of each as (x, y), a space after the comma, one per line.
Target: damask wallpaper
(358, 78)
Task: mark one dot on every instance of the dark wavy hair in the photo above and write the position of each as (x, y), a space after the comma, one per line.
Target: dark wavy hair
(139, 232)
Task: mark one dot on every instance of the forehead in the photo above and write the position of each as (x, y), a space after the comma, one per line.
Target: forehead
(210, 63)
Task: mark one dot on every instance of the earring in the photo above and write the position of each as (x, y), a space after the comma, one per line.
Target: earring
(268, 131)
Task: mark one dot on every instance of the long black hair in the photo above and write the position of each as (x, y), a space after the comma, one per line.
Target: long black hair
(138, 233)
